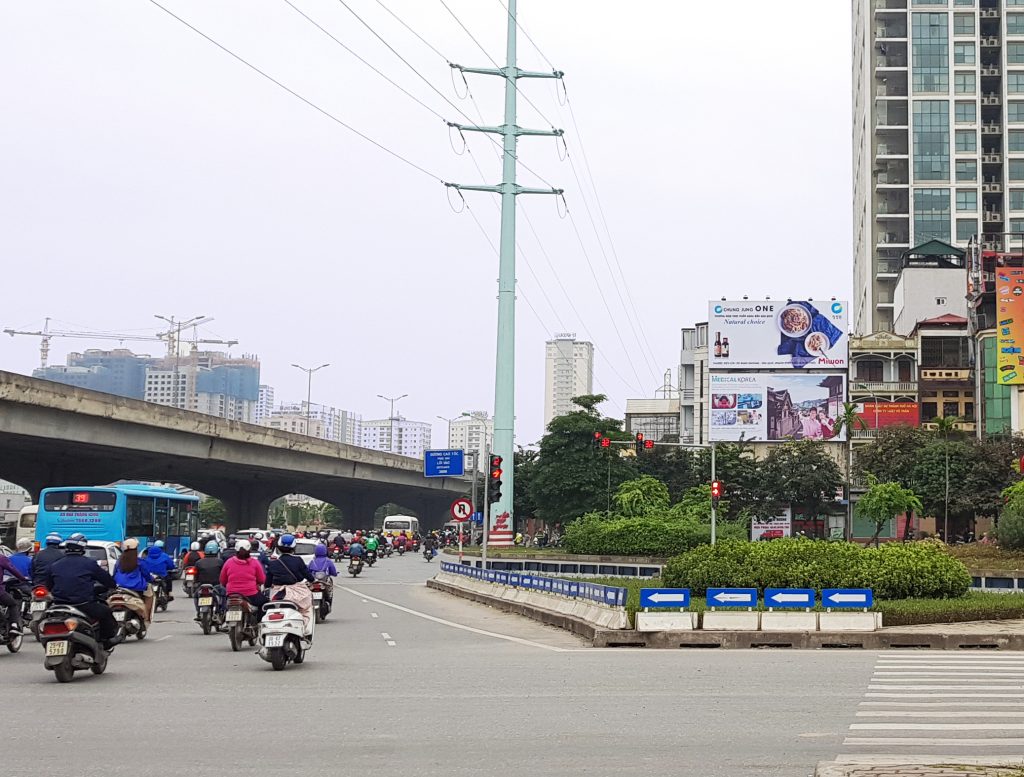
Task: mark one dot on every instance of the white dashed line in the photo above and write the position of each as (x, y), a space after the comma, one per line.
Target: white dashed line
(385, 635)
(391, 643)
(374, 615)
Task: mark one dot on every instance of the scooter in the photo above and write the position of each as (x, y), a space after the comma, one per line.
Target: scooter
(242, 621)
(188, 581)
(323, 595)
(12, 640)
(129, 610)
(37, 608)
(371, 557)
(160, 592)
(283, 634)
(355, 566)
(210, 615)
(401, 549)
(71, 643)
(428, 555)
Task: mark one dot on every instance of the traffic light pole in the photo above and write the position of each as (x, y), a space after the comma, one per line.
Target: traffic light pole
(714, 507)
(486, 511)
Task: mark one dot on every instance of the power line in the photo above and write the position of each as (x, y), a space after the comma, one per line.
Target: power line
(410, 29)
(298, 96)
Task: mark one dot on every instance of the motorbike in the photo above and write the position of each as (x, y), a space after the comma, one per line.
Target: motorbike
(242, 621)
(283, 635)
(323, 595)
(371, 557)
(355, 566)
(428, 555)
(210, 615)
(129, 610)
(415, 546)
(188, 581)
(12, 640)
(401, 549)
(71, 643)
(37, 608)
(160, 592)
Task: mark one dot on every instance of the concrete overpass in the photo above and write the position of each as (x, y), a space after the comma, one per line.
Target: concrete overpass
(52, 434)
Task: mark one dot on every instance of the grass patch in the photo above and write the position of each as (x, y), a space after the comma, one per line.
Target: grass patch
(980, 556)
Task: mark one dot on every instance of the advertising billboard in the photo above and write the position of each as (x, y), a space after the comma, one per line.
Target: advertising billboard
(878, 415)
(773, 528)
(1010, 337)
(775, 406)
(778, 334)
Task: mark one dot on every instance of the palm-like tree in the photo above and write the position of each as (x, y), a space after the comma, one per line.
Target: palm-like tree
(849, 420)
(945, 426)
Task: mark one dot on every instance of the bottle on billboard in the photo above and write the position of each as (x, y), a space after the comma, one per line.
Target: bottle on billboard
(725, 347)
(718, 344)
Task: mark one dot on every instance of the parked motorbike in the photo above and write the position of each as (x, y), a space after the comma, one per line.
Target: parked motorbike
(283, 634)
(188, 581)
(323, 595)
(242, 621)
(210, 615)
(12, 640)
(37, 608)
(355, 566)
(129, 610)
(71, 643)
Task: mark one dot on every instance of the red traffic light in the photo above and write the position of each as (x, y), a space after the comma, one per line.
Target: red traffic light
(606, 443)
(597, 435)
(639, 436)
(648, 444)
(716, 488)
(496, 462)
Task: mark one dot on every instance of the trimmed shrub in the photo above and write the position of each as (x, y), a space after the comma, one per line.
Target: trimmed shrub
(593, 534)
(1010, 531)
(894, 571)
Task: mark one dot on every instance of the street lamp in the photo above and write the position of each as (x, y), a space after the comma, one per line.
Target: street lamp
(309, 388)
(391, 417)
(174, 337)
(449, 421)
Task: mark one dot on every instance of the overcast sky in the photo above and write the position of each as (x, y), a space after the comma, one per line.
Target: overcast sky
(145, 171)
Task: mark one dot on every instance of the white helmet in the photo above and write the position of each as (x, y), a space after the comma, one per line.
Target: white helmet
(194, 546)
(243, 545)
(24, 544)
(258, 535)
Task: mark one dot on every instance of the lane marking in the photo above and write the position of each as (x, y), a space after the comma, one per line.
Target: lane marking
(872, 759)
(943, 695)
(937, 726)
(471, 629)
(161, 639)
(946, 687)
(927, 704)
(1015, 674)
(374, 615)
(934, 742)
(948, 679)
(940, 714)
(385, 635)
(391, 643)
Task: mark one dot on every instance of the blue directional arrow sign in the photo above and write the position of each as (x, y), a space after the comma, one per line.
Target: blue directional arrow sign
(854, 598)
(664, 597)
(789, 597)
(732, 597)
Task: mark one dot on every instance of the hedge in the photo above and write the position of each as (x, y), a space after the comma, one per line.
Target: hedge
(594, 534)
(893, 571)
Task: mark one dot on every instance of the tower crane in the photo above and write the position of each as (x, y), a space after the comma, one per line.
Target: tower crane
(171, 337)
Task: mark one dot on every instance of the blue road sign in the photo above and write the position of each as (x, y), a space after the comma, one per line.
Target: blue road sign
(732, 597)
(477, 518)
(789, 597)
(664, 597)
(854, 598)
(444, 463)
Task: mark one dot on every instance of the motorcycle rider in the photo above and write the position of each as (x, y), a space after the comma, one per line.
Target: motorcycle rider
(44, 558)
(193, 555)
(430, 543)
(230, 549)
(21, 559)
(72, 581)
(287, 569)
(322, 563)
(208, 571)
(128, 574)
(356, 549)
(8, 601)
(159, 564)
(242, 574)
(372, 543)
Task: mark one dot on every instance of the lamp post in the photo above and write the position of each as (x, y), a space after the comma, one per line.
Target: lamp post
(175, 333)
(309, 388)
(449, 422)
(391, 418)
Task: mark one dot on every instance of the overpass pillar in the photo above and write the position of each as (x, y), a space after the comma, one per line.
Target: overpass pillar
(247, 506)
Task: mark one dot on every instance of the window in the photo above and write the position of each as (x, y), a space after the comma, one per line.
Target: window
(1014, 23)
(965, 83)
(966, 170)
(869, 370)
(931, 52)
(1015, 83)
(966, 113)
(928, 411)
(963, 54)
(967, 199)
(1015, 141)
(964, 3)
(963, 24)
(140, 517)
(931, 214)
(1016, 169)
(1015, 53)
(966, 140)
(944, 353)
(1016, 199)
(931, 140)
(965, 229)
(905, 369)
(1015, 112)
(940, 300)
(1017, 226)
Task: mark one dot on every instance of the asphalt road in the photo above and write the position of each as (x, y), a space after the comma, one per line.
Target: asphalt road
(403, 680)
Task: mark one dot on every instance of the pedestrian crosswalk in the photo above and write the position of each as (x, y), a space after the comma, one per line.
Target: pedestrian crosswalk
(940, 704)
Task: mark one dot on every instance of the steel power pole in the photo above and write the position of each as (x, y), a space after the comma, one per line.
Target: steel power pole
(504, 378)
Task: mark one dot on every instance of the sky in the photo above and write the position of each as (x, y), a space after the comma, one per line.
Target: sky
(147, 172)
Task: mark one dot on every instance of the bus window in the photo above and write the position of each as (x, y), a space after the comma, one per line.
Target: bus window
(27, 520)
(160, 523)
(79, 501)
(140, 517)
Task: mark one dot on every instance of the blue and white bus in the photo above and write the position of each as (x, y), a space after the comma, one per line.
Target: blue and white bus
(114, 513)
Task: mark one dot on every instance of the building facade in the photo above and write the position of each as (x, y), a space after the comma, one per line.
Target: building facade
(568, 373)
(118, 371)
(264, 403)
(397, 435)
(693, 385)
(473, 433)
(327, 423)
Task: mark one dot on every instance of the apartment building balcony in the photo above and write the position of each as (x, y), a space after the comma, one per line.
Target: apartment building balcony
(945, 375)
(891, 62)
(991, 98)
(881, 6)
(992, 128)
(686, 395)
(892, 148)
(989, 13)
(862, 389)
(992, 158)
(992, 187)
(887, 268)
(891, 30)
(990, 42)
(894, 239)
(991, 71)
(992, 217)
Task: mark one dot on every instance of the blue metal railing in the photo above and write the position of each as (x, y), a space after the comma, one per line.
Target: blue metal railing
(609, 595)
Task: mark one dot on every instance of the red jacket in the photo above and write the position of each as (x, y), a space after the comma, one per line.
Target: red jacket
(242, 576)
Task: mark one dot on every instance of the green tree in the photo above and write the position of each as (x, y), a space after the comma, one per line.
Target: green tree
(736, 467)
(678, 468)
(572, 477)
(849, 421)
(892, 455)
(695, 506)
(883, 502)
(641, 496)
(525, 463)
(799, 473)
(333, 517)
(212, 511)
(944, 427)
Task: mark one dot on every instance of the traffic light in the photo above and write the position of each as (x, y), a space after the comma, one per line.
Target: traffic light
(606, 442)
(716, 492)
(494, 485)
(598, 441)
(649, 445)
(639, 439)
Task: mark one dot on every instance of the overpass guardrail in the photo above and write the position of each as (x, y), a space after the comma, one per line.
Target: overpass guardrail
(608, 595)
(563, 567)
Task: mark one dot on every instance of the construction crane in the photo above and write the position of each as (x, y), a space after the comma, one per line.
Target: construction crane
(171, 337)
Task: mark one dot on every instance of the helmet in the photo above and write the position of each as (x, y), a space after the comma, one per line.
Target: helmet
(257, 535)
(54, 539)
(194, 546)
(131, 543)
(76, 543)
(243, 545)
(212, 546)
(158, 544)
(24, 544)
(286, 541)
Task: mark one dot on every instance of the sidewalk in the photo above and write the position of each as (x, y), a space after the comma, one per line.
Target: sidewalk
(832, 769)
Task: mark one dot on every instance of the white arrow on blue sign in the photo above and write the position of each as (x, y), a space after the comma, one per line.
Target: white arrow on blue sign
(789, 597)
(732, 597)
(847, 597)
(664, 597)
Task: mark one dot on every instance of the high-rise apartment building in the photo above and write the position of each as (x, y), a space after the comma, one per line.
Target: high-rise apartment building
(327, 423)
(118, 371)
(568, 373)
(264, 403)
(938, 134)
(206, 382)
(473, 433)
(397, 435)
(693, 385)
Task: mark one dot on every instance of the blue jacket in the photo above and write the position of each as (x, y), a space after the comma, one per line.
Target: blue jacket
(23, 563)
(287, 569)
(356, 549)
(72, 578)
(156, 562)
(134, 580)
(44, 559)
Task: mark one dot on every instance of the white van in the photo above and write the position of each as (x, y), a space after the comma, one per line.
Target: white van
(27, 522)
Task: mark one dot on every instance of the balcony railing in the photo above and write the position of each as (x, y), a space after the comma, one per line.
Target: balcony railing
(960, 426)
(991, 99)
(944, 374)
(859, 387)
(992, 128)
(890, 31)
(990, 42)
(990, 70)
(887, 266)
(891, 62)
(686, 395)
(989, 13)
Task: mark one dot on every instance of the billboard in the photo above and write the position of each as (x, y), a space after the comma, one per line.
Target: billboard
(775, 406)
(878, 415)
(1010, 337)
(778, 334)
(773, 528)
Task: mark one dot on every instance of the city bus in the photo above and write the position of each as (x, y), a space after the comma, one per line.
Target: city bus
(400, 523)
(113, 513)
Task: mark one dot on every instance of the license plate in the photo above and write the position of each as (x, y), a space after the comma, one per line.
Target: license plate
(205, 601)
(189, 578)
(234, 615)
(273, 640)
(37, 607)
(119, 615)
(318, 595)
(58, 648)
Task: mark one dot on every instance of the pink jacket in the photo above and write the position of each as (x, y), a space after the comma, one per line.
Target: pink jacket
(242, 576)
